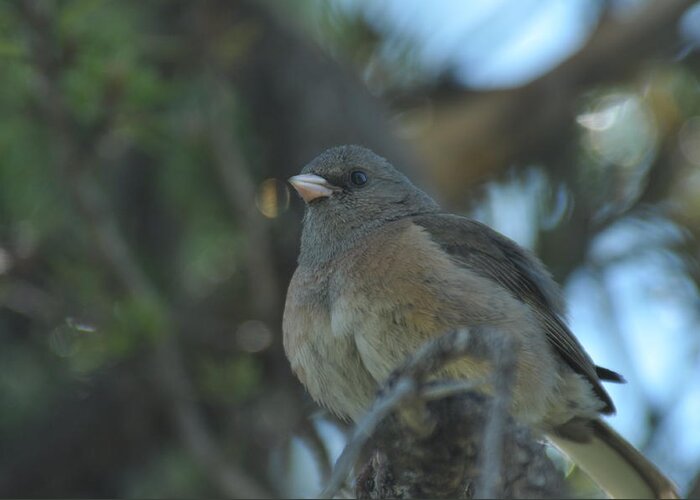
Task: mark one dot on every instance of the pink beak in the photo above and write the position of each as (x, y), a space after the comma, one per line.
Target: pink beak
(311, 186)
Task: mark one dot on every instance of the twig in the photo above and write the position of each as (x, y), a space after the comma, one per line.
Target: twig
(400, 391)
(408, 383)
(403, 391)
(503, 379)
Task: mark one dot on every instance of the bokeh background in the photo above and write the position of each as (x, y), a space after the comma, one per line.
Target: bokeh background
(147, 234)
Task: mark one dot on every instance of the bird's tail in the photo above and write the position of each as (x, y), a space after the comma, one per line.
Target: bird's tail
(616, 466)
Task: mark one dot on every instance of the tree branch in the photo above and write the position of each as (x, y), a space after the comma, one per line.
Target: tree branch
(433, 440)
(474, 135)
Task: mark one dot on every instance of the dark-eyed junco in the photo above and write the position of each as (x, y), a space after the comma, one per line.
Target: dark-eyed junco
(382, 269)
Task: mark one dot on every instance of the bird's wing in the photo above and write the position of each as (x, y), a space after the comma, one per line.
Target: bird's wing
(492, 255)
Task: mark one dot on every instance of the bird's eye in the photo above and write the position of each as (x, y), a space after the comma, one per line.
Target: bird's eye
(358, 177)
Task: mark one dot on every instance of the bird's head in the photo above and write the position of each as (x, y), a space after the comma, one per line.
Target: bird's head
(349, 191)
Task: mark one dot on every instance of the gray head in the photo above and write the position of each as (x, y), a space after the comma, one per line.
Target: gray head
(350, 191)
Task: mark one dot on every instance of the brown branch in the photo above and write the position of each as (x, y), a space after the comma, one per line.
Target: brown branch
(411, 460)
(473, 136)
(450, 463)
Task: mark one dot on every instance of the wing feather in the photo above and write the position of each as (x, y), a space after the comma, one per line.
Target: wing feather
(492, 255)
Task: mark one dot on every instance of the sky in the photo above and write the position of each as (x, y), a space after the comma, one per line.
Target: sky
(478, 38)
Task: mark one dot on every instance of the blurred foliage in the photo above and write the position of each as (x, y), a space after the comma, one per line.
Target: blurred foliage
(88, 103)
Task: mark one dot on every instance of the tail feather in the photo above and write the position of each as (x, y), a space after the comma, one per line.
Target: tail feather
(616, 466)
(609, 375)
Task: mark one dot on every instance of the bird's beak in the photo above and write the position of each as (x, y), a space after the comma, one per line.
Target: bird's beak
(311, 187)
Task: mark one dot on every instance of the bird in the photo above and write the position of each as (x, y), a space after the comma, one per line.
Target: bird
(382, 269)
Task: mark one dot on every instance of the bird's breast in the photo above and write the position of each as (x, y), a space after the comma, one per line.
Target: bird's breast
(326, 362)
